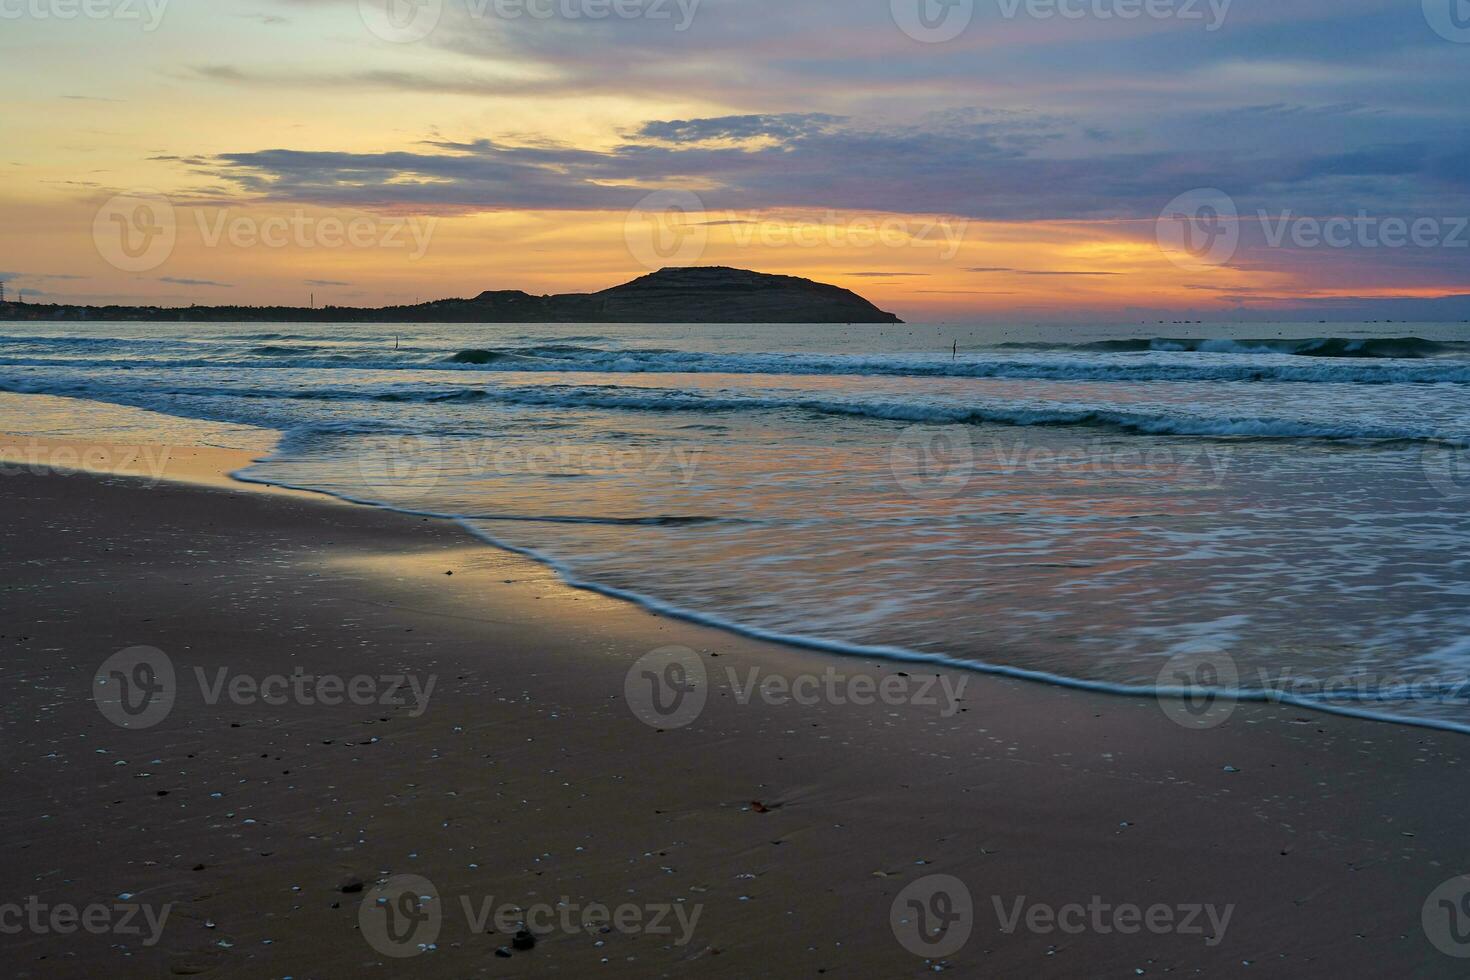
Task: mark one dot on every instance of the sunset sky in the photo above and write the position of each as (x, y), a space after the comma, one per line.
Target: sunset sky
(1016, 170)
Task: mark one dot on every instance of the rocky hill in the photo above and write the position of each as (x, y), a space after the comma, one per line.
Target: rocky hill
(705, 294)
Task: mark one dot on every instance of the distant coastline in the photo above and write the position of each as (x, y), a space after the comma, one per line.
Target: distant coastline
(676, 295)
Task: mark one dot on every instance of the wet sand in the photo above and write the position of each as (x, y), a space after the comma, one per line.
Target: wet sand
(773, 837)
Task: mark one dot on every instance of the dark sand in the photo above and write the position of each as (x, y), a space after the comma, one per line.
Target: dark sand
(529, 780)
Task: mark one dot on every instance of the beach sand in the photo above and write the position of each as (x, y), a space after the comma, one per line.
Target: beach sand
(526, 778)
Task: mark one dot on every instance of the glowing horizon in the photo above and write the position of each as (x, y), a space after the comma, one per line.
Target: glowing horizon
(1027, 167)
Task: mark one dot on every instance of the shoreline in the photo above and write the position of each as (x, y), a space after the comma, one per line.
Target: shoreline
(1301, 825)
(219, 470)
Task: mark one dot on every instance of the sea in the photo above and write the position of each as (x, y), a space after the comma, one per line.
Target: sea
(1242, 511)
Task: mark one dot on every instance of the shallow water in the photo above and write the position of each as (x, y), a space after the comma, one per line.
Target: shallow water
(1088, 502)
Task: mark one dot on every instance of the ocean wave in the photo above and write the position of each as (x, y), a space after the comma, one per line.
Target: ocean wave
(937, 413)
(275, 350)
(666, 520)
(1162, 422)
(265, 336)
(1391, 348)
(1100, 366)
(1106, 362)
(569, 573)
